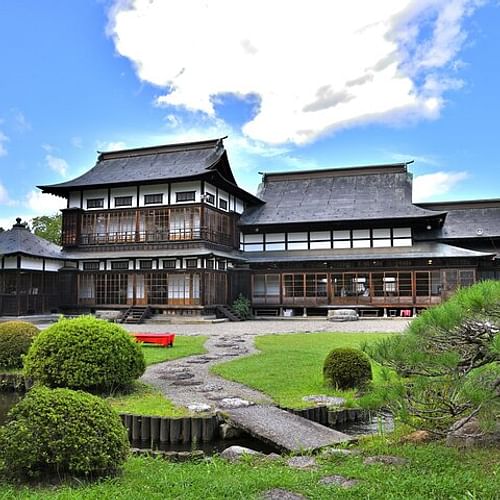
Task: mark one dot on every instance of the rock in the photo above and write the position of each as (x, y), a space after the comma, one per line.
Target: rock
(385, 460)
(417, 437)
(337, 480)
(187, 382)
(338, 452)
(343, 315)
(229, 403)
(198, 407)
(210, 388)
(227, 431)
(321, 399)
(197, 361)
(272, 456)
(302, 462)
(234, 453)
(470, 434)
(281, 494)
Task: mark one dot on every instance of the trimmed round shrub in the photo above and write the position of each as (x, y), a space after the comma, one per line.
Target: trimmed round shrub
(347, 368)
(62, 432)
(85, 353)
(15, 340)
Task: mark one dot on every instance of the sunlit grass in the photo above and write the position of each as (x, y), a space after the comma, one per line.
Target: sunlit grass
(291, 366)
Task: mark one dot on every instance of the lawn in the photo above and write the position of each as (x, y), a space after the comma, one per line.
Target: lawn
(291, 366)
(434, 471)
(145, 400)
(183, 346)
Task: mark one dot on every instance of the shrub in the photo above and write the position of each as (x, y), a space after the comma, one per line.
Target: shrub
(243, 307)
(347, 368)
(85, 353)
(15, 340)
(60, 431)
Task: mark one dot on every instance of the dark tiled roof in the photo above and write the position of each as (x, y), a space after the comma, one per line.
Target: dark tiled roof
(422, 250)
(20, 240)
(469, 219)
(158, 163)
(380, 192)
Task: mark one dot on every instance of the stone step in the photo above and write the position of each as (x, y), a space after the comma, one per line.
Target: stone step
(284, 430)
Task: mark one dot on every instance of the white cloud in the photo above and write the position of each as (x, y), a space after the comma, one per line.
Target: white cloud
(40, 203)
(21, 122)
(428, 186)
(56, 164)
(3, 140)
(315, 66)
(111, 146)
(77, 142)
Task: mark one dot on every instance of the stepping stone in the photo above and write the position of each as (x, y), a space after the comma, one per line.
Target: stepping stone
(200, 361)
(230, 403)
(321, 399)
(338, 452)
(234, 453)
(187, 383)
(302, 463)
(217, 397)
(385, 460)
(198, 407)
(341, 481)
(281, 494)
(230, 354)
(210, 388)
(177, 376)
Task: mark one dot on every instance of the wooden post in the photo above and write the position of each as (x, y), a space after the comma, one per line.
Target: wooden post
(186, 430)
(136, 428)
(155, 431)
(196, 429)
(164, 430)
(146, 430)
(175, 430)
(208, 429)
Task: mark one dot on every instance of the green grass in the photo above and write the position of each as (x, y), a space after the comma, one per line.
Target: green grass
(291, 366)
(434, 472)
(145, 400)
(183, 346)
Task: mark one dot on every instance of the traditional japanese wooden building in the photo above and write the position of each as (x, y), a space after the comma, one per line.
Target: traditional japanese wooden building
(169, 228)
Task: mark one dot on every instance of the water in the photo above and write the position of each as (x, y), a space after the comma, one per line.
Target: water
(7, 401)
(381, 423)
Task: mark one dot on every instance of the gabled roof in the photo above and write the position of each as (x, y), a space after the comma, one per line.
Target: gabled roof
(468, 219)
(156, 164)
(340, 194)
(419, 250)
(20, 240)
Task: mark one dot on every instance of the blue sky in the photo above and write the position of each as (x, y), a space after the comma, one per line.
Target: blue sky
(295, 85)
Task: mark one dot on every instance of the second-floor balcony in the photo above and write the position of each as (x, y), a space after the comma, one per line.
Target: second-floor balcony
(137, 226)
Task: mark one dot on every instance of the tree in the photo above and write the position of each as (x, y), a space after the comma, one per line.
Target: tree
(448, 363)
(48, 227)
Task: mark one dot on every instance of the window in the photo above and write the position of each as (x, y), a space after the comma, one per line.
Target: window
(210, 198)
(210, 264)
(123, 201)
(153, 199)
(119, 265)
(91, 266)
(145, 264)
(191, 263)
(223, 204)
(95, 203)
(221, 265)
(185, 196)
(169, 264)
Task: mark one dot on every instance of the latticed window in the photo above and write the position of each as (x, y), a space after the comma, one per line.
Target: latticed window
(153, 199)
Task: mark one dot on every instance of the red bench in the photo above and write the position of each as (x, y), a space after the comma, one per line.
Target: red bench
(164, 339)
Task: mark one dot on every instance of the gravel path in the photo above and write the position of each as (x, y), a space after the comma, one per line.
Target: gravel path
(188, 381)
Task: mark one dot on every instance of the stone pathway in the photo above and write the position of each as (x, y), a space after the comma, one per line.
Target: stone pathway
(188, 381)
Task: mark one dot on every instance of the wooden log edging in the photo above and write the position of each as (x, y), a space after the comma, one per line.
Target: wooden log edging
(148, 432)
(13, 382)
(331, 418)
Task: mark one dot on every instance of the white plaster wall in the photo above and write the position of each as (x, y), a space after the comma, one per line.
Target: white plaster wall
(53, 265)
(153, 189)
(74, 199)
(95, 193)
(32, 263)
(124, 191)
(185, 186)
(10, 263)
